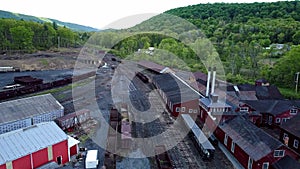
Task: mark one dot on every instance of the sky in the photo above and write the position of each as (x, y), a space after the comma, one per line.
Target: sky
(101, 14)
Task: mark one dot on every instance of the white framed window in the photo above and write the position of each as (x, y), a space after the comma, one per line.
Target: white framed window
(250, 162)
(278, 153)
(277, 120)
(293, 111)
(195, 111)
(284, 119)
(190, 110)
(244, 109)
(285, 135)
(225, 139)
(296, 143)
(182, 109)
(232, 146)
(265, 165)
(177, 109)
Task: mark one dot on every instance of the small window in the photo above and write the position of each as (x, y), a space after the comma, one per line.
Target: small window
(285, 135)
(195, 111)
(177, 109)
(265, 165)
(296, 143)
(294, 111)
(232, 146)
(182, 109)
(244, 109)
(277, 120)
(225, 139)
(190, 110)
(278, 153)
(284, 119)
(250, 162)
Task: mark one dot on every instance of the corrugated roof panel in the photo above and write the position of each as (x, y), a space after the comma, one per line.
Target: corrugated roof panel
(27, 107)
(22, 142)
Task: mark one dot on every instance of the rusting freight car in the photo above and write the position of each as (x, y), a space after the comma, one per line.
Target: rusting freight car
(72, 120)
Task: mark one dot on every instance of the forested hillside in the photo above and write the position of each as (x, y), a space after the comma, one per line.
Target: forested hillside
(246, 37)
(73, 26)
(252, 40)
(28, 36)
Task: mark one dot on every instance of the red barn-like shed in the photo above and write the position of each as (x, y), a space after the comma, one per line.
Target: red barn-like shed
(178, 96)
(250, 145)
(34, 146)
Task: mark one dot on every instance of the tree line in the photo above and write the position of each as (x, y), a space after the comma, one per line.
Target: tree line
(28, 36)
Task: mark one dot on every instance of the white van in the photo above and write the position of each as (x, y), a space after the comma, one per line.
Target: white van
(91, 160)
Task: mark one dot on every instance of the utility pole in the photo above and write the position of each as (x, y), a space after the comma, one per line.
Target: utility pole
(58, 42)
(297, 80)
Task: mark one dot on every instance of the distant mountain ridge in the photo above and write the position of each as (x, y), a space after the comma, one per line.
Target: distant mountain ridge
(73, 26)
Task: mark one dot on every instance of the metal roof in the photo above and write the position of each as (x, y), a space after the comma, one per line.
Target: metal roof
(151, 65)
(251, 139)
(274, 107)
(175, 90)
(287, 162)
(219, 104)
(28, 140)
(199, 135)
(292, 126)
(28, 107)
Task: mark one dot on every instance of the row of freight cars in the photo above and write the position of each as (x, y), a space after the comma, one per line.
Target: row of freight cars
(119, 138)
(201, 142)
(40, 87)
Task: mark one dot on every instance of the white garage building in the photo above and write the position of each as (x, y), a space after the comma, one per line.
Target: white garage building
(25, 112)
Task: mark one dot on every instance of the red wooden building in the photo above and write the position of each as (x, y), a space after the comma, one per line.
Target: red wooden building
(178, 97)
(290, 133)
(273, 112)
(35, 146)
(250, 145)
(214, 111)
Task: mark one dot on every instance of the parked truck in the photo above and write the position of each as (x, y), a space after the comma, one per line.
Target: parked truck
(91, 160)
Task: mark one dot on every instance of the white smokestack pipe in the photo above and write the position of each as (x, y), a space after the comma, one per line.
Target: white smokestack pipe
(208, 82)
(213, 80)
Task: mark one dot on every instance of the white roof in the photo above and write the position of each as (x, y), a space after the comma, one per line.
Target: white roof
(28, 107)
(72, 141)
(91, 155)
(21, 142)
(188, 121)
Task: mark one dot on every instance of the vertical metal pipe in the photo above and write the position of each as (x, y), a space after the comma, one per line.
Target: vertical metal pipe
(208, 82)
(213, 80)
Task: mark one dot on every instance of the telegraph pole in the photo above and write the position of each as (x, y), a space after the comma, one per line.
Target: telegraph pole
(297, 80)
(58, 42)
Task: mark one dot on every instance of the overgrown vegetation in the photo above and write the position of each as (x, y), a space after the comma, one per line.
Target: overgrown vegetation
(28, 36)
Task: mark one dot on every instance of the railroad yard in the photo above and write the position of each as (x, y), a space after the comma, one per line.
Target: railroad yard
(117, 85)
(147, 113)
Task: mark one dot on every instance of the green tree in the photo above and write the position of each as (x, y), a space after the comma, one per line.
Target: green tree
(286, 67)
(21, 38)
(296, 38)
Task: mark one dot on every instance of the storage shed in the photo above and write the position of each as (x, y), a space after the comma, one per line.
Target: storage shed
(34, 146)
(25, 112)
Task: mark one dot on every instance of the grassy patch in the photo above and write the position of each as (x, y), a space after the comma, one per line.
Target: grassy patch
(44, 62)
(63, 88)
(289, 93)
